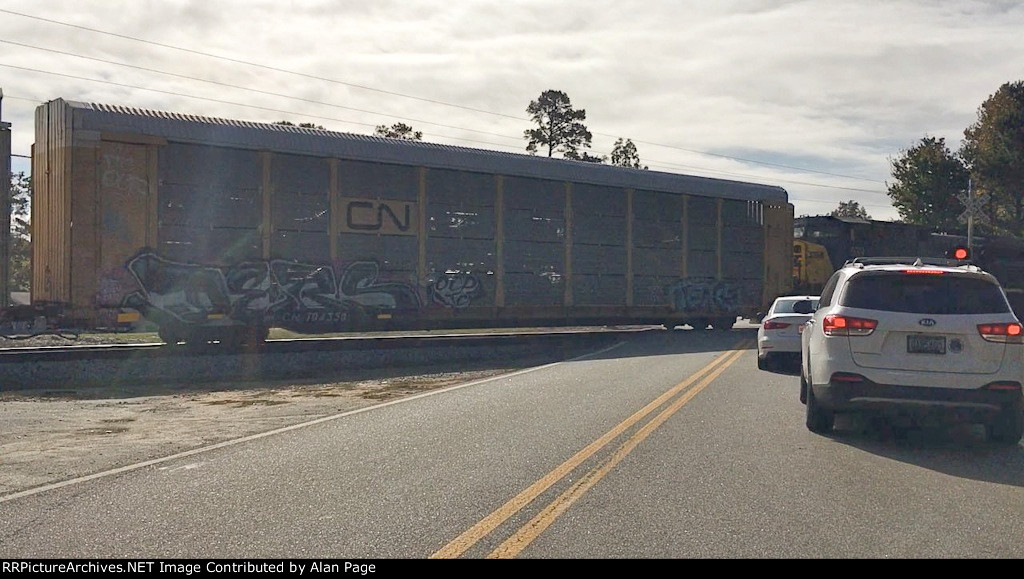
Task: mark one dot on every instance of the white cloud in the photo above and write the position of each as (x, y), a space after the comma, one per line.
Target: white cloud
(823, 93)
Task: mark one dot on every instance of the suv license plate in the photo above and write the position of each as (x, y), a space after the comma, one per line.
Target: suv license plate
(917, 344)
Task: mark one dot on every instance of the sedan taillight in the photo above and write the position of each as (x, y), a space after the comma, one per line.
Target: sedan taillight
(775, 325)
(835, 325)
(1005, 332)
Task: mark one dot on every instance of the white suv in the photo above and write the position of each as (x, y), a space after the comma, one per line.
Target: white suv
(918, 338)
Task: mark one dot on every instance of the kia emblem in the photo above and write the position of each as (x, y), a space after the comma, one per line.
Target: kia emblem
(927, 322)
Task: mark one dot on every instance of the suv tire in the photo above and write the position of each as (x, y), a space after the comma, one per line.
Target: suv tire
(819, 420)
(1008, 426)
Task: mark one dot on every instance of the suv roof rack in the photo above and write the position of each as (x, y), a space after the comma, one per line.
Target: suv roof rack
(939, 261)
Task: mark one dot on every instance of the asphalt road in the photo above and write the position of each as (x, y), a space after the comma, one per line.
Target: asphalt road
(672, 445)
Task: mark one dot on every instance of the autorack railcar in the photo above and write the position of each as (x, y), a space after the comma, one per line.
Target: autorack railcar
(217, 230)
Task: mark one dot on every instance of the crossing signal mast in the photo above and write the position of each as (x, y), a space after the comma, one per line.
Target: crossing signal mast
(973, 213)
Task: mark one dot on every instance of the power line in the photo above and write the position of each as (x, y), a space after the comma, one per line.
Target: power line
(392, 93)
(255, 64)
(719, 172)
(220, 101)
(730, 157)
(174, 93)
(774, 179)
(258, 91)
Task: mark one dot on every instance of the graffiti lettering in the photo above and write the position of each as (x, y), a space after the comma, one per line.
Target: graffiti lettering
(455, 290)
(704, 295)
(121, 173)
(293, 295)
(359, 284)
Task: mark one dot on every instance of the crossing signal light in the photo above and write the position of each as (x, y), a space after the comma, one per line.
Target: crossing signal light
(959, 252)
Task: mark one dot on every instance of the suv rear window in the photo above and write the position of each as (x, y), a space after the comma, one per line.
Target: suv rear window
(924, 294)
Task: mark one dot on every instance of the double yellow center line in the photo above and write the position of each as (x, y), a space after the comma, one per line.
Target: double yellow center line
(519, 540)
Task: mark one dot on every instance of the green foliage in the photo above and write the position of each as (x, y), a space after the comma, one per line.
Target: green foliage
(624, 154)
(301, 125)
(993, 150)
(399, 131)
(20, 272)
(585, 157)
(850, 208)
(928, 178)
(559, 126)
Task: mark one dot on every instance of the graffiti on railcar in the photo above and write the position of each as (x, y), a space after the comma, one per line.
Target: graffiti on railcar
(360, 284)
(703, 295)
(279, 292)
(121, 167)
(252, 291)
(183, 291)
(455, 290)
(114, 284)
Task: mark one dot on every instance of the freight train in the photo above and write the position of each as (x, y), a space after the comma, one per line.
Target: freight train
(216, 230)
(823, 243)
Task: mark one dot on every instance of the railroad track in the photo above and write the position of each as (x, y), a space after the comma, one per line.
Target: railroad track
(110, 364)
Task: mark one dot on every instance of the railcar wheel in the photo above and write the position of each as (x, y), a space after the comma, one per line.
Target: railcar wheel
(723, 323)
(254, 337)
(170, 335)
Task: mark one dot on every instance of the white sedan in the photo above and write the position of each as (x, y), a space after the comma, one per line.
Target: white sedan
(778, 336)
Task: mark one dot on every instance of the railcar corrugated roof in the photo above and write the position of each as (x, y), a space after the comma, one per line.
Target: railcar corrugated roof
(306, 141)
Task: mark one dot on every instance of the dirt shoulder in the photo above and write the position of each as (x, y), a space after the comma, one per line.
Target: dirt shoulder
(55, 435)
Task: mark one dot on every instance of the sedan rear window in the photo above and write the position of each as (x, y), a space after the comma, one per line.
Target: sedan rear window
(788, 306)
(924, 294)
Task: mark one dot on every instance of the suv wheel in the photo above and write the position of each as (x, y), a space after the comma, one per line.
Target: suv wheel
(1008, 426)
(819, 420)
(803, 388)
(762, 362)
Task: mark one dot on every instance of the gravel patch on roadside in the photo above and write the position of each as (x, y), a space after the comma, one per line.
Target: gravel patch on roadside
(54, 435)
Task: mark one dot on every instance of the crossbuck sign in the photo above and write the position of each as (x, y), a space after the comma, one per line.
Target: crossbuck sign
(973, 205)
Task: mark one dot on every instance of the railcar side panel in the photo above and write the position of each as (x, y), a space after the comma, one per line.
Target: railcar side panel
(657, 259)
(126, 188)
(51, 204)
(210, 209)
(197, 233)
(599, 246)
(534, 256)
(777, 219)
(460, 243)
(300, 203)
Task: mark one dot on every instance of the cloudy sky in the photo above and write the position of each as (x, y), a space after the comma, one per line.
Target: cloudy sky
(816, 96)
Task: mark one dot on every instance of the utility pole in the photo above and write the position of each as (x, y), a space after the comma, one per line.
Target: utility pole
(5, 208)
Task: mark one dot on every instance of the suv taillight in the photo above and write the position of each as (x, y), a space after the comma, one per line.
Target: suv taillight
(775, 325)
(847, 326)
(1006, 332)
